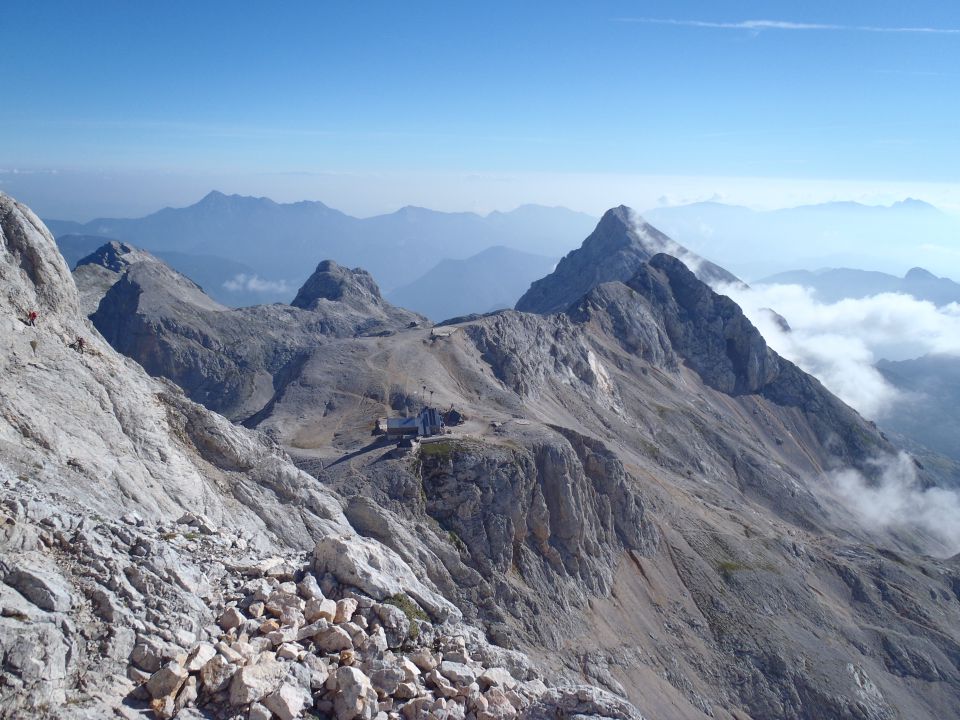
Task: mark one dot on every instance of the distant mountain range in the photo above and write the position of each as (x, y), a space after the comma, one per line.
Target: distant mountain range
(834, 284)
(284, 242)
(490, 280)
(755, 244)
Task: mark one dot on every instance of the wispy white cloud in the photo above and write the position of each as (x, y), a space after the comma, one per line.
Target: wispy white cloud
(897, 499)
(254, 283)
(757, 25)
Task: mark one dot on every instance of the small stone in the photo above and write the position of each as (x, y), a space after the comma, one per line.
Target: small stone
(229, 653)
(411, 673)
(407, 691)
(496, 677)
(309, 588)
(137, 675)
(345, 610)
(231, 618)
(187, 695)
(457, 673)
(441, 685)
(287, 702)
(269, 626)
(309, 631)
(256, 609)
(415, 709)
(386, 681)
(320, 609)
(216, 674)
(424, 659)
(45, 589)
(353, 688)
(255, 681)
(333, 639)
(259, 712)
(288, 651)
(167, 680)
(200, 656)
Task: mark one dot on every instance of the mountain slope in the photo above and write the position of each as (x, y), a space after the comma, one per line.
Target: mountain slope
(643, 496)
(616, 248)
(490, 280)
(146, 540)
(928, 413)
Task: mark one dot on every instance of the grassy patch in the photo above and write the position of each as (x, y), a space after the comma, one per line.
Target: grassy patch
(727, 568)
(411, 610)
(441, 450)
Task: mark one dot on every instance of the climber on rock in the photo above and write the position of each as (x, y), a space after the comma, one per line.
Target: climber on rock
(80, 344)
(32, 318)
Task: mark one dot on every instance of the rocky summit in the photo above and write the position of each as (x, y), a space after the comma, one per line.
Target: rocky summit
(621, 243)
(630, 514)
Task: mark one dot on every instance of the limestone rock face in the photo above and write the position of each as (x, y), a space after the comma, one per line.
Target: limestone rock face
(621, 243)
(708, 330)
(378, 571)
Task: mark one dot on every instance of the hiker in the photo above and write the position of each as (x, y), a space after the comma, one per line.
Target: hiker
(81, 343)
(32, 318)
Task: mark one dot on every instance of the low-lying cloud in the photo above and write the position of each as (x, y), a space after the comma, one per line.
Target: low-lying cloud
(254, 283)
(897, 500)
(839, 343)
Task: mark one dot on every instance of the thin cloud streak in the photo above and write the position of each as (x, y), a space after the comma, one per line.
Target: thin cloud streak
(757, 25)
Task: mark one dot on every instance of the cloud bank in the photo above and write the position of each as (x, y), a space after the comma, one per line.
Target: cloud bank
(839, 342)
(898, 501)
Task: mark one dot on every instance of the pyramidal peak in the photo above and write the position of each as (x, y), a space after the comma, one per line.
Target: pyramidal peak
(620, 244)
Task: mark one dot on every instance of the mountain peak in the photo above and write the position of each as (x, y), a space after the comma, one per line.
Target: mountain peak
(918, 273)
(331, 281)
(620, 244)
(115, 256)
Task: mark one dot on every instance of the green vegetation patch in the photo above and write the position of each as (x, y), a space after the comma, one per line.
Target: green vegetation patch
(441, 450)
(727, 568)
(411, 610)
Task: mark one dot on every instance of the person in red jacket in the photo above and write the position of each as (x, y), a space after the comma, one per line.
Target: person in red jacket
(32, 318)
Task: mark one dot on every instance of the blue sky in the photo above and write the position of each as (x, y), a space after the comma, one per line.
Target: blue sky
(480, 105)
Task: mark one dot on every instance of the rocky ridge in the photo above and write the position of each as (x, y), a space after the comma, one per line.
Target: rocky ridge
(234, 361)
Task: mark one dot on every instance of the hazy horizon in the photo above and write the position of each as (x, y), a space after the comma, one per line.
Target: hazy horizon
(124, 109)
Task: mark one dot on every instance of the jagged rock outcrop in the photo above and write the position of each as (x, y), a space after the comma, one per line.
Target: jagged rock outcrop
(355, 288)
(621, 243)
